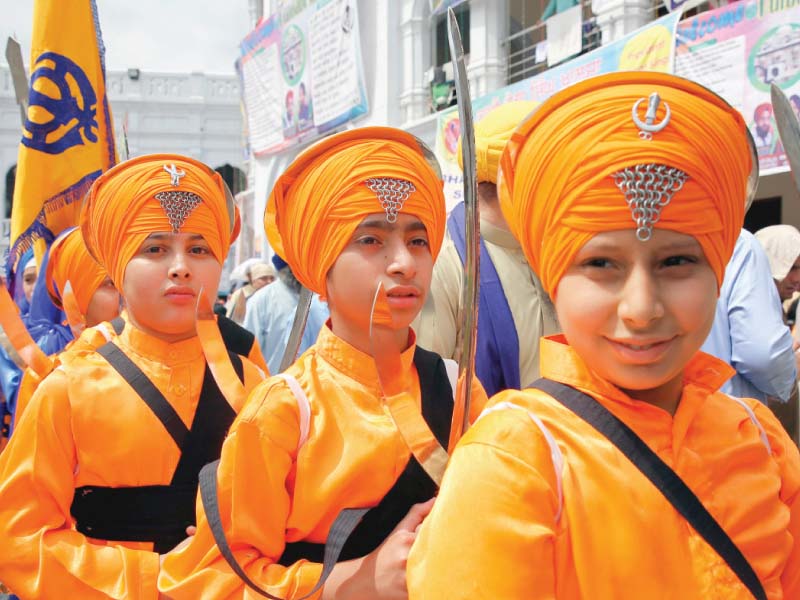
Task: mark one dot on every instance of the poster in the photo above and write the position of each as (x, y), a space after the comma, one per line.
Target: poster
(650, 48)
(301, 73)
(738, 51)
(564, 35)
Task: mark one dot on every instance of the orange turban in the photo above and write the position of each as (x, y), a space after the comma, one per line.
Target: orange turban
(71, 262)
(556, 184)
(322, 197)
(491, 134)
(122, 208)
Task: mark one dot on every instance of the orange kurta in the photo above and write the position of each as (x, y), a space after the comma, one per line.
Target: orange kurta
(494, 531)
(86, 426)
(90, 339)
(270, 493)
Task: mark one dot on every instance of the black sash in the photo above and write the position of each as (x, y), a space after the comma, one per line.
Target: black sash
(413, 486)
(660, 474)
(237, 339)
(357, 532)
(159, 513)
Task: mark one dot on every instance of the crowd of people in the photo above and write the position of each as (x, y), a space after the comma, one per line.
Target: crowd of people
(156, 450)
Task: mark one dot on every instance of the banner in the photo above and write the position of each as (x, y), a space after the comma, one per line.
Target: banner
(67, 138)
(650, 48)
(302, 75)
(738, 51)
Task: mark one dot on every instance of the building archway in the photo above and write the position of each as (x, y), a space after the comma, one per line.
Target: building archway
(233, 176)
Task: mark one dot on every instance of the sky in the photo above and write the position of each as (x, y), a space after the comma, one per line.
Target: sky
(175, 36)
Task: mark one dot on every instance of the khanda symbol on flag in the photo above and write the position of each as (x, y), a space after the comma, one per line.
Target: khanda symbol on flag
(67, 134)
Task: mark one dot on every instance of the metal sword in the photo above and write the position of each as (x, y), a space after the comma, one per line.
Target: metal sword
(18, 76)
(789, 130)
(469, 292)
(298, 327)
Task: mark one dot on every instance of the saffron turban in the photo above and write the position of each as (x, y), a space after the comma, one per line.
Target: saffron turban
(556, 183)
(71, 262)
(138, 197)
(491, 134)
(323, 196)
(782, 245)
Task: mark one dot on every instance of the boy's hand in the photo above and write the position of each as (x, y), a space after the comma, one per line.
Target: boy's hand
(387, 564)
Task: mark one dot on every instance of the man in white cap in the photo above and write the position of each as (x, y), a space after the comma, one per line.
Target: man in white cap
(782, 245)
(748, 332)
(258, 275)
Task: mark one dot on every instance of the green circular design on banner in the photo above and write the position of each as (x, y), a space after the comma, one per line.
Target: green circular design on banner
(771, 58)
(293, 54)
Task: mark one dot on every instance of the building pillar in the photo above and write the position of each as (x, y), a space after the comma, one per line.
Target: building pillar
(486, 65)
(415, 36)
(617, 18)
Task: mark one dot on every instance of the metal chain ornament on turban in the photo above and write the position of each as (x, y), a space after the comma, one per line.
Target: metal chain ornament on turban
(562, 176)
(156, 193)
(327, 191)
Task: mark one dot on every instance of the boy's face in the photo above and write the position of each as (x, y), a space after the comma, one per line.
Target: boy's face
(398, 255)
(29, 282)
(162, 282)
(636, 312)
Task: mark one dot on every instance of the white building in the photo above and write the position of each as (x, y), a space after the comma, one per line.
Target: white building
(402, 43)
(193, 114)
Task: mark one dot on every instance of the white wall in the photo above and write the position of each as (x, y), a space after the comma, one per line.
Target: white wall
(191, 114)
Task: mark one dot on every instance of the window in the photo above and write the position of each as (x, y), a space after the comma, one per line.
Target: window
(763, 213)
(442, 82)
(527, 31)
(442, 44)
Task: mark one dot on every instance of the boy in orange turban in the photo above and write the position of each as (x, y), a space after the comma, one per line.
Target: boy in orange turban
(101, 475)
(359, 209)
(80, 287)
(627, 193)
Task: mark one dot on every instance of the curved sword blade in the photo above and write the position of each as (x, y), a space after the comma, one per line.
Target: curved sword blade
(469, 292)
(789, 130)
(298, 327)
(19, 78)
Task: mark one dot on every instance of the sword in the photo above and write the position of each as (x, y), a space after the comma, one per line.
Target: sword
(469, 291)
(298, 327)
(124, 151)
(394, 382)
(789, 130)
(18, 76)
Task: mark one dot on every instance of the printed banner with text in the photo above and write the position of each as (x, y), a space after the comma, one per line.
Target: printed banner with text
(738, 51)
(650, 48)
(301, 73)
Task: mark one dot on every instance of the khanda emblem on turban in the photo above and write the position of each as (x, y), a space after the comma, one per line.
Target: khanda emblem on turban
(649, 126)
(64, 105)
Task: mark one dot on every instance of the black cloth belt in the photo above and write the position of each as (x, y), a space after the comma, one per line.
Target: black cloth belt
(159, 513)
